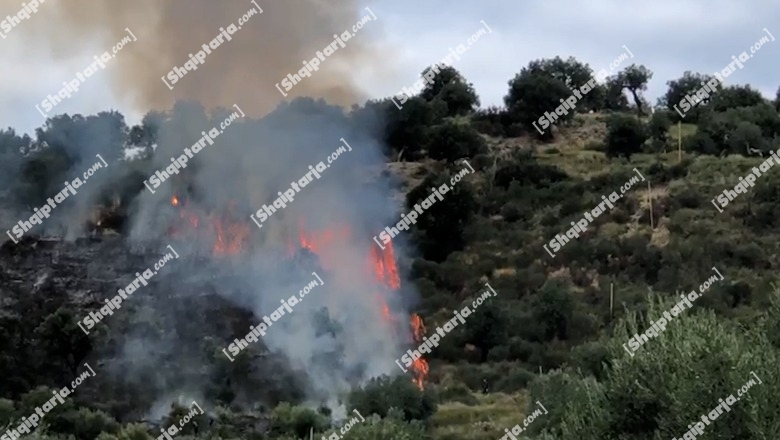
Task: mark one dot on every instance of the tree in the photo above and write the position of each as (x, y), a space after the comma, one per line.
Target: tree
(614, 98)
(635, 78)
(777, 100)
(146, 134)
(442, 225)
(688, 84)
(573, 74)
(407, 129)
(553, 310)
(658, 129)
(81, 138)
(12, 149)
(452, 141)
(450, 87)
(625, 135)
(486, 327)
(736, 96)
(531, 94)
(746, 138)
(64, 342)
(670, 382)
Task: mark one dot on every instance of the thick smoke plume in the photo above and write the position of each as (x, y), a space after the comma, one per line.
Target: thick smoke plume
(245, 168)
(268, 47)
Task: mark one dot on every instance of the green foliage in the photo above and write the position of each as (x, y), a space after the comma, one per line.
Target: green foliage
(391, 428)
(441, 226)
(7, 411)
(296, 421)
(635, 79)
(452, 141)
(736, 96)
(553, 311)
(532, 92)
(381, 394)
(688, 84)
(658, 129)
(669, 382)
(452, 89)
(83, 423)
(407, 128)
(486, 326)
(625, 135)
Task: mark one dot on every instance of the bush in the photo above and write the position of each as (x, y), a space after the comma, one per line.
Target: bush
(382, 393)
(517, 379)
(458, 393)
(391, 428)
(84, 424)
(669, 382)
(625, 136)
(296, 421)
(451, 141)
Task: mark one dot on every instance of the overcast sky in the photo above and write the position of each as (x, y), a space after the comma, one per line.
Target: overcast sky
(667, 36)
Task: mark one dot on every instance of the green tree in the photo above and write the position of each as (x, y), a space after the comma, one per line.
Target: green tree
(614, 98)
(532, 92)
(486, 327)
(451, 141)
(777, 100)
(658, 129)
(553, 310)
(635, 79)
(450, 87)
(441, 226)
(63, 341)
(669, 382)
(688, 84)
(625, 135)
(737, 96)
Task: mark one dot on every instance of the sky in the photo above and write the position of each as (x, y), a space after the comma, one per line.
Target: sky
(667, 36)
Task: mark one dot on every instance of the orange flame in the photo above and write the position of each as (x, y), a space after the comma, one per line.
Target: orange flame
(383, 265)
(230, 237)
(386, 272)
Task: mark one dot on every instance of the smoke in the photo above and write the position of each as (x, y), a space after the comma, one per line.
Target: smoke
(268, 46)
(251, 161)
(246, 167)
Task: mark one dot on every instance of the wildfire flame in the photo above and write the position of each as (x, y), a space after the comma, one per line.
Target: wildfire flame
(230, 237)
(386, 272)
(383, 265)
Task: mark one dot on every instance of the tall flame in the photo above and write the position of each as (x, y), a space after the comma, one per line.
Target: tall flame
(383, 266)
(386, 272)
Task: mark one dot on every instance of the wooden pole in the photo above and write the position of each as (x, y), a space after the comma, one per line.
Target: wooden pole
(611, 299)
(650, 199)
(679, 141)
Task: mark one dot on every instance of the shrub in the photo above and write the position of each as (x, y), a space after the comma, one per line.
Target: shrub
(451, 141)
(382, 393)
(625, 135)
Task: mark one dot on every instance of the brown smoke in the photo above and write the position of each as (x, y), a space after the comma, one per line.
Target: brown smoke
(242, 71)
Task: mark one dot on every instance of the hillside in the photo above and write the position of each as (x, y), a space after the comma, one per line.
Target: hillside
(562, 332)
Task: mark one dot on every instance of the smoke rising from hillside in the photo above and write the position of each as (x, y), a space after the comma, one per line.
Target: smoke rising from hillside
(267, 47)
(246, 167)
